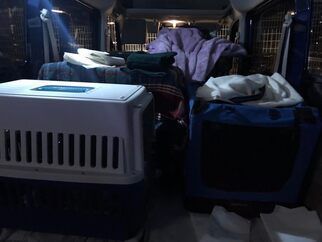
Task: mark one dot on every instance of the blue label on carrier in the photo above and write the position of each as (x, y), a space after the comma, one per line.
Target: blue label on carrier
(54, 88)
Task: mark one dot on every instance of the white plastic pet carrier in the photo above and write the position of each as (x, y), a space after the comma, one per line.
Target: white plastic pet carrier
(73, 132)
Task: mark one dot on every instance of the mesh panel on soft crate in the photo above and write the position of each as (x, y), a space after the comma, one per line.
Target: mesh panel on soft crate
(266, 38)
(315, 55)
(251, 160)
(12, 35)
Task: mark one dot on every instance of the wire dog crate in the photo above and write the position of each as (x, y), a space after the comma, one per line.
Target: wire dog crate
(74, 151)
(267, 33)
(315, 54)
(12, 30)
(77, 20)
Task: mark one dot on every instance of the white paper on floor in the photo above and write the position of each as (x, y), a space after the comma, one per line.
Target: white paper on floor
(226, 226)
(292, 225)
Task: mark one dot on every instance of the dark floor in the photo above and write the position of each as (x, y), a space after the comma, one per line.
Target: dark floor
(167, 221)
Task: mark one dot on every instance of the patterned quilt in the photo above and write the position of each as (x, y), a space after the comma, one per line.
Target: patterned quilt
(168, 88)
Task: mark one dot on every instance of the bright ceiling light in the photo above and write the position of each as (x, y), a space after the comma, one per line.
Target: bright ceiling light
(57, 11)
(174, 22)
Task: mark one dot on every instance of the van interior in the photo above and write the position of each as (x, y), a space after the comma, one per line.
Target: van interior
(163, 120)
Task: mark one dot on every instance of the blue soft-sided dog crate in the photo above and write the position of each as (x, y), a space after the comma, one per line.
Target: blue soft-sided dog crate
(240, 154)
(249, 154)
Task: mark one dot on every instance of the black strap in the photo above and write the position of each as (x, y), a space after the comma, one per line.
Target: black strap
(254, 97)
(201, 105)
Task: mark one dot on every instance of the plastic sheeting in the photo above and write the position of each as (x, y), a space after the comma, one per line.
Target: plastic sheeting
(291, 225)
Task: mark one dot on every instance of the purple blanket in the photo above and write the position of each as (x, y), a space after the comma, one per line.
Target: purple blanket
(196, 56)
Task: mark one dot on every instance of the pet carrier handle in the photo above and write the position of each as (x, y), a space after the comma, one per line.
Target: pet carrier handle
(48, 28)
(284, 45)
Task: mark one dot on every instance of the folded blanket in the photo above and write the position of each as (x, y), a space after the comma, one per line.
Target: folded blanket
(168, 89)
(151, 62)
(256, 89)
(196, 56)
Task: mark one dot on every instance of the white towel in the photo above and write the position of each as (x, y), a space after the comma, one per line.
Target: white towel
(278, 92)
(226, 226)
(292, 225)
(101, 57)
(80, 60)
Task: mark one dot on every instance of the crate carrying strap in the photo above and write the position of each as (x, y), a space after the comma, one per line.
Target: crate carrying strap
(48, 34)
(284, 46)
